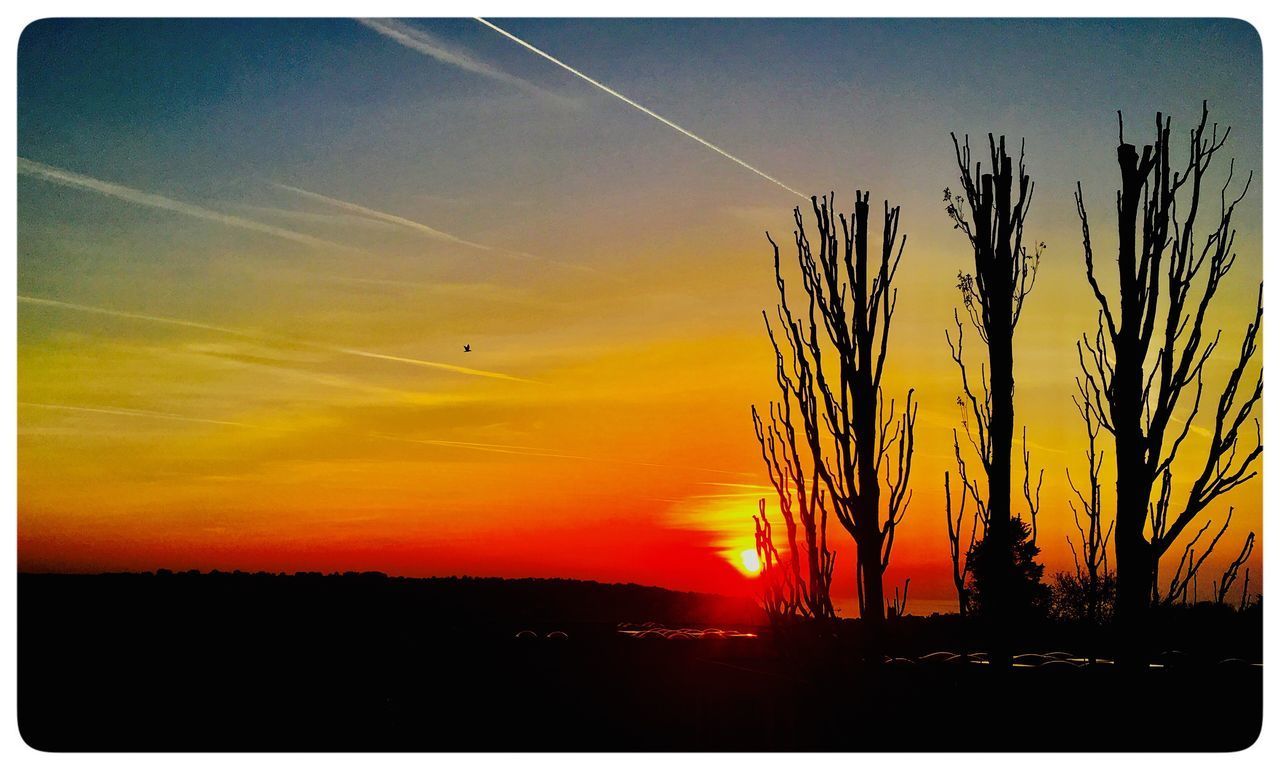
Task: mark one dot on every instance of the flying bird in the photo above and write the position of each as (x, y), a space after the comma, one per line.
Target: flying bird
(466, 348)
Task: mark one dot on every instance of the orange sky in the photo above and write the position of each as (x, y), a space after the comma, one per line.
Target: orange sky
(217, 369)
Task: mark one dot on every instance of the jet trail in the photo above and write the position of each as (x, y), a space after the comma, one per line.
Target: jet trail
(66, 178)
(419, 40)
(131, 413)
(641, 107)
(134, 316)
(497, 448)
(431, 232)
(271, 339)
(527, 451)
(428, 364)
(383, 216)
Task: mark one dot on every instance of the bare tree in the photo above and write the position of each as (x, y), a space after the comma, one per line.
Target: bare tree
(831, 358)
(1004, 273)
(780, 596)
(1245, 600)
(1029, 495)
(1228, 579)
(1091, 563)
(956, 523)
(898, 604)
(1187, 574)
(800, 497)
(1150, 348)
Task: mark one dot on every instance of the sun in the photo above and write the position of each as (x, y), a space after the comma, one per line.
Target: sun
(750, 561)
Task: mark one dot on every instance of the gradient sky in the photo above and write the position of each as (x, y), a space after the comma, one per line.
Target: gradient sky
(252, 251)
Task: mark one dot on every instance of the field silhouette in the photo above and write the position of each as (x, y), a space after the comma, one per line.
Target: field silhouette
(361, 661)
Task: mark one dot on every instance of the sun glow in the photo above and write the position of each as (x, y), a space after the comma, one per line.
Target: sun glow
(750, 561)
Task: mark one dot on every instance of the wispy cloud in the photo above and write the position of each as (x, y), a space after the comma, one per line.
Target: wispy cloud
(133, 316)
(523, 451)
(428, 364)
(382, 216)
(315, 218)
(503, 449)
(427, 230)
(427, 44)
(122, 412)
(267, 338)
(66, 178)
(640, 107)
(528, 451)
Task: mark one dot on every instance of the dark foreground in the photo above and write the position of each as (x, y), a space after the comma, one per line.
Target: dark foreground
(366, 663)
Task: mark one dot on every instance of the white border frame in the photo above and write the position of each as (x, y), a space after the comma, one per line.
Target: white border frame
(19, 15)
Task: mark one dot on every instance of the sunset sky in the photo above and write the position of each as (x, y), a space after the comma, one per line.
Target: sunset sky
(250, 254)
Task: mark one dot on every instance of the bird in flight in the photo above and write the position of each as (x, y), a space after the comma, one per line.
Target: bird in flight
(466, 348)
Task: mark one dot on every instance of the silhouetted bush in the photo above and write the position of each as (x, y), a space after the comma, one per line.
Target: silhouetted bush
(1071, 598)
(1024, 595)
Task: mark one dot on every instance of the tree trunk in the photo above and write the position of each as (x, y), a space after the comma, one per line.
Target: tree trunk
(1135, 557)
(1000, 349)
(867, 504)
(873, 581)
(999, 482)
(1134, 479)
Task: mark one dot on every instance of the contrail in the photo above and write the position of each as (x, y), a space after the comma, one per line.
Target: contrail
(120, 192)
(430, 232)
(132, 413)
(270, 339)
(383, 216)
(419, 40)
(641, 107)
(528, 451)
(312, 217)
(497, 448)
(134, 316)
(428, 364)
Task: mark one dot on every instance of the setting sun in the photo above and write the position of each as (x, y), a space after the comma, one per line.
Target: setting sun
(750, 561)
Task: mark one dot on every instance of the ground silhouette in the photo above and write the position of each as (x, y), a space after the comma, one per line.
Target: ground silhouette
(236, 661)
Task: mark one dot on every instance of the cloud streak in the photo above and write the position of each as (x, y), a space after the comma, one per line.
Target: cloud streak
(528, 451)
(271, 339)
(59, 176)
(382, 216)
(424, 43)
(418, 227)
(312, 217)
(122, 412)
(641, 108)
(507, 449)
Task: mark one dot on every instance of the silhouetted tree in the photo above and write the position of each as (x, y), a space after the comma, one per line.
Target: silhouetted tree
(956, 524)
(1074, 598)
(898, 604)
(1229, 575)
(800, 497)
(1091, 563)
(1004, 273)
(781, 596)
(830, 359)
(1150, 345)
(1187, 574)
(1020, 591)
